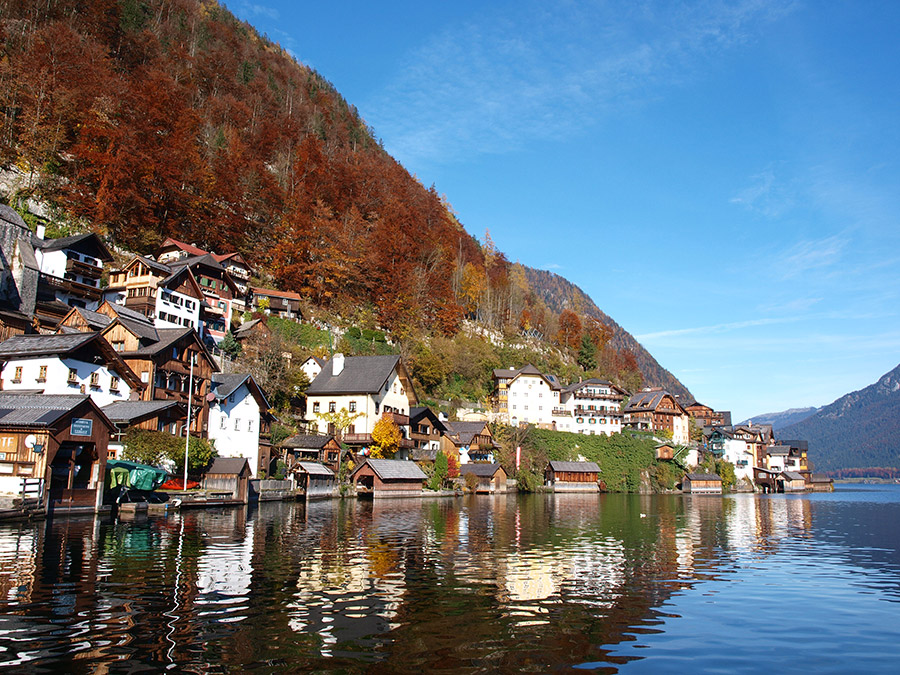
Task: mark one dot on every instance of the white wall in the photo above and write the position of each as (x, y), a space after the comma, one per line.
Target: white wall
(179, 309)
(530, 399)
(57, 380)
(234, 426)
(393, 395)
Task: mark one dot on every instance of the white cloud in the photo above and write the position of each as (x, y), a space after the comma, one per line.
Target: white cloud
(813, 254)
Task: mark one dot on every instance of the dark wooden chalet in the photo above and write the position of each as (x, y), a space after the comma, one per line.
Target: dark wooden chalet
(323, 449)
(572, 476)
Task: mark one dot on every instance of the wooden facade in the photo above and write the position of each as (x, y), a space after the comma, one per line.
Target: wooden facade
(229, 475)
(388, 478)
(572, 476)
(702, 484)
(491, 477)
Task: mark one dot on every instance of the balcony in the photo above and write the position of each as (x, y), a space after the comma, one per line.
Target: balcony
(561, 412)
(605, 397)
(366, 439)
(68, 286)
(399, 419)
(83, 268)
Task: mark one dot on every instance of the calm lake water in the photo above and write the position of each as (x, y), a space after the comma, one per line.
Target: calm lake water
(532, 583)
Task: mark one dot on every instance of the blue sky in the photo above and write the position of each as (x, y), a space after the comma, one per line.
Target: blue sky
(721, 178)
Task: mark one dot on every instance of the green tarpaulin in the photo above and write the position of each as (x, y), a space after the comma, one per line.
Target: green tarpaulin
(120, 472)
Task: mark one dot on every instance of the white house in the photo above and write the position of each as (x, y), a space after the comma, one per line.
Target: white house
(76, 363)
(367, 386)
(312, 367)
(526, 396)
(591, 407)
(71, 268)
(238, 411)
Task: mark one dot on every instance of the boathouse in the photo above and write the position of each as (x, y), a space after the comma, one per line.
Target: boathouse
(229, 475)
(791, 481)
(316, 480)
(491, 477)
(53, 449)
(665, 451)
(819, 482)
(572, 476)
(388, 478)
(702, 484)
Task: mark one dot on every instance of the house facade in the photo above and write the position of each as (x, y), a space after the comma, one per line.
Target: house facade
(71, 268)
(283, 304)
(239, 420)
(525, 396)
(591, 407)
(658, 410)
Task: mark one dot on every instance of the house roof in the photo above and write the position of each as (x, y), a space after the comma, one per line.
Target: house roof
(417, 413)
(393, 469)
(465, 432)
(778, 450)
(306, 442)
(229, 465)
(594, 382)
(245, 329)
(10, 215)
(276, 294)
(480, 469)
(225, 384)
(41, 410)
(793, 475)
(575, 467)
(315, 468)
(133, 412)
(82, 243)
(703, 476)
(187, 248)
(423, 454)
(650, 400)
(361, 375)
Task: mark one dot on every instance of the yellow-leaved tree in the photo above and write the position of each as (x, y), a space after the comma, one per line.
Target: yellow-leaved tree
(385, 438)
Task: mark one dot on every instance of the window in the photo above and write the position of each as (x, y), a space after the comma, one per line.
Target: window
(73, 375)
(316, 407)
(352, 404)
(18, 375)
(250, 426)
(95, 380)
(237, 423)
(145, 376)
(114, 383)
(118, 345)
(223, 419)
(42, 374)
(332, 406)
(231, 398)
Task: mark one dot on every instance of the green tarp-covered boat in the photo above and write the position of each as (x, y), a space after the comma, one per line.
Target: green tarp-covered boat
(122, 473)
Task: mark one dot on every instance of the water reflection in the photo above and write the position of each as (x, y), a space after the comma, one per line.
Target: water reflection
(479, 584)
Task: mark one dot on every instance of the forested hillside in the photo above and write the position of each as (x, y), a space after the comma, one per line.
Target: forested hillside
(859, 430)
(141, 119)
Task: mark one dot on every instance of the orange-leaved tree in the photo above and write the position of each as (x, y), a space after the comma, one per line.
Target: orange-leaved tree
(385, 438)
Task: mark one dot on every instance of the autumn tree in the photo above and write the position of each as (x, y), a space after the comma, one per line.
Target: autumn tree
(570, 328)
(386, 438)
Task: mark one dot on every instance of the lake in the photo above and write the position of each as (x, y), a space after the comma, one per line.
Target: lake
(530, 583)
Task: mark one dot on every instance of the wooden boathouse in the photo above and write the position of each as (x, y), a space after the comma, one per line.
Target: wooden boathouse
(388, 478)
(572, 476)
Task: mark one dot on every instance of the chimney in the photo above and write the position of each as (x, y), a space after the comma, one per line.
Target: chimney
(337, 364)
(41, 231)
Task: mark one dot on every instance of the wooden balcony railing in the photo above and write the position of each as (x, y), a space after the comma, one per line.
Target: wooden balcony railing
(83, 268)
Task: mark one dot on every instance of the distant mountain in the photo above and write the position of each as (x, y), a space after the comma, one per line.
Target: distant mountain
(559, 293)
(782, 419)
(859, 430)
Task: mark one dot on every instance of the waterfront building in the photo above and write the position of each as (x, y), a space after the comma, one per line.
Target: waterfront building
(702, 484)
(165, 416)
(572, 476)
(491, 477)
(590, 407)
(425, 430)
(239, 420)
(525, 396)
(323, 449)
(655, 409)
(388, 478)
(469, 441)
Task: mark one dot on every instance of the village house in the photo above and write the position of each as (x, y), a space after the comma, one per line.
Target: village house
(135, 286)
(230, 478)
(165, 416)
(525, 396)
(365, 386)
(54, 448)
(657, 410)
(323, 449)
(702, 484)
(19, 275)
(316, 480)
(704, 416)
(590, 407)
(240, 272)
(283, 304)
(312, 367)
(572, 476)
(239, 420)
(218, 290)
(426, 430)
(78, 363)
(70, 268)
(734, 447)
(796, 459)
(469, 441)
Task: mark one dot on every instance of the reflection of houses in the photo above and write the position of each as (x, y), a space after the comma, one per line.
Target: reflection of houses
(323, 449)
(366, 386)
(239, 419)
(78, 363)
(590, 407)
(658, 410)
(572, 476)
(388, 478)
(491, 477)
(57, 444)
(470, 441)
(702, 484)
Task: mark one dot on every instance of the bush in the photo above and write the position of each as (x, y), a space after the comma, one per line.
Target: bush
(471, 482)
(529, 481)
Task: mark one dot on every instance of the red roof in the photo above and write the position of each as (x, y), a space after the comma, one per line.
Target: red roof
(277, 294)
(190, 248)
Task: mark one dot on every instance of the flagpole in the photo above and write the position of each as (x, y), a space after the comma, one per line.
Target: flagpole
(187, 435)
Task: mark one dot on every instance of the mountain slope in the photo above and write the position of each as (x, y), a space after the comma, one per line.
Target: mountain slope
(559, 293)
(859, 430)
(785, 418)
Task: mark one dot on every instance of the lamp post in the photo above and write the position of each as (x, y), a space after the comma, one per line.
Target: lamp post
(187, 435)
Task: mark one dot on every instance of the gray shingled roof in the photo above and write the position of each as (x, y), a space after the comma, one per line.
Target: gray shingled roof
(793, 475)
(228, 465)
(10, 215)
(41, 345)
(89, 241)
(361, 375)
(167, 337)
(465, 431)
(225, 384)
(245, 328)
(575, 467)
(703, 476)
(315, 468)
(95, 320)
(778, 450)
(394, 469)
(127, 411)
(482, 470)
(36, 409)
(306, 442)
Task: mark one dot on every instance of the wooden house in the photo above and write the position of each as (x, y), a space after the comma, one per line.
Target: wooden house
(657, 410)
(55, 447)
(491, 477)
(388, 478)
(792, 481)
(470, 441)
(323, 449)
(702, 484)
(665, 451)
(316, 480)
(705, 416)
(819, 482)
(284, 304)
(572, 476)
(229, 475)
